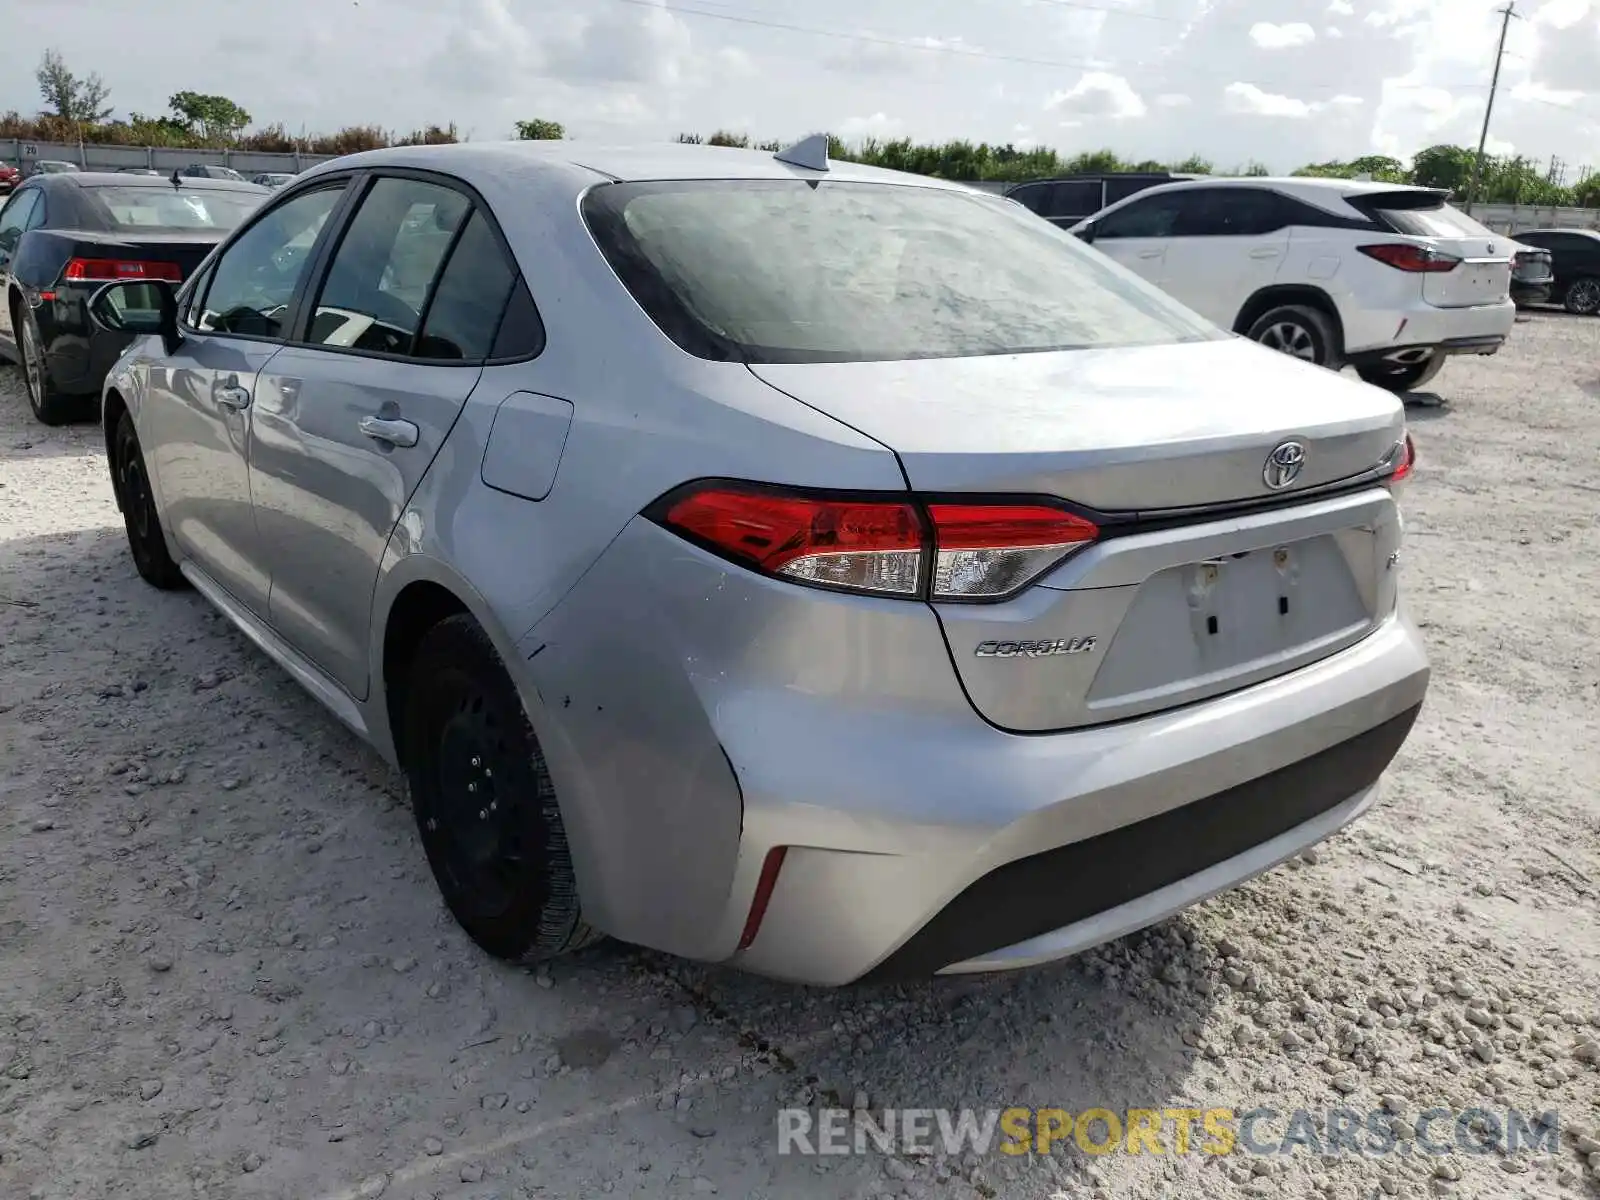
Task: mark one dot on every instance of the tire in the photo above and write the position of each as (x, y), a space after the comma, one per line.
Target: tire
(484, 801)
(131, 482)
(1583, 296)
(1300, 331)
(48, 404)
(1403, 379)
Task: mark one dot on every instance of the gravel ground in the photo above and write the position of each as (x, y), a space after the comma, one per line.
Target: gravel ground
(224, 971)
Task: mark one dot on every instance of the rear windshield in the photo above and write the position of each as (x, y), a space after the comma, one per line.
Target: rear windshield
(789, 271)
(1434, 219)
(133, 208)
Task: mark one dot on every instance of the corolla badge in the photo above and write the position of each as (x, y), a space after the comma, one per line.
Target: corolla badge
(1283, 465)
(1046, 648)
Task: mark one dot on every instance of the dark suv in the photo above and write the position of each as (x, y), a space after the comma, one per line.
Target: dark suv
(1068, 199)
(1575, 259)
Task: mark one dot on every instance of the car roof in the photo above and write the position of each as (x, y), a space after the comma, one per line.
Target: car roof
(587, 162)
(124, 179)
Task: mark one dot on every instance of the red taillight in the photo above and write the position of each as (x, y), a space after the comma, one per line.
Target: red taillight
(1406, 455)
(895, 547)
(1404, 256)
(113, 270)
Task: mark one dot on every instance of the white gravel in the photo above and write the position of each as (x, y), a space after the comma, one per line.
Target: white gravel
(224, 971)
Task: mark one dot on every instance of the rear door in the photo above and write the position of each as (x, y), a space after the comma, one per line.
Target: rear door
(1483, 274)
(1229, 243)
(349, 418)
(1138, 234)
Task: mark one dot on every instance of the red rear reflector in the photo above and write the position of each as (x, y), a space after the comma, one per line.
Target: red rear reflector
(1403, 256)
(765, 884)
(980, 551)
(112, 270)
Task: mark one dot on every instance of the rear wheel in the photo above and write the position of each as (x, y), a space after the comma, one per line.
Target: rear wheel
(48, 404)
(1403, 379)
(1583, 296)
(1299, 331)
(132, 484)
(484, 801)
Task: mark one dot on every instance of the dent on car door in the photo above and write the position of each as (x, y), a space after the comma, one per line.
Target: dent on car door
(198, 409)
(349, 418)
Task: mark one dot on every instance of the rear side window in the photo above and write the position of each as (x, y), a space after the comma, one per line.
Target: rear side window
(135, 208)
(788, 271)
(384, 268)
(472, 291)
(1230, 212)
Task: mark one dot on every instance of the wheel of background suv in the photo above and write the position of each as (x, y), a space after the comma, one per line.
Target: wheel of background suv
(49, 405)
(1403, 379)
(484, 801)
(132, 484)
(1583, 296)
(1297, 330)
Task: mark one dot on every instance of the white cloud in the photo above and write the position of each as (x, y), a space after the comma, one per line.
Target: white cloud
(1173, 100)
(1333, 31)
(1281, 37)
(1562, 14)
(878, 125)
(1248, 98)
(1099, 94)
(1529, 90)
(1342, 8)
(1347, 101)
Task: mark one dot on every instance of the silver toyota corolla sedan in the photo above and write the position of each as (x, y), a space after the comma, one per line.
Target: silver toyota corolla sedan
(835, 573)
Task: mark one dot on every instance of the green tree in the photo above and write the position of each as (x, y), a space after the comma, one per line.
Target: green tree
(82, 101)
(1586, 192)
(1193, 165)
(213, 118)
(1443, 166)
(538, 130)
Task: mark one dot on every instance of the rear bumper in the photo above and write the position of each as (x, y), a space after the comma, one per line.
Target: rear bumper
(1030, 849)
(1370, 334)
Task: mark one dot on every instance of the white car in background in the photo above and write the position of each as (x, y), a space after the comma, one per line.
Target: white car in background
(1386, 278)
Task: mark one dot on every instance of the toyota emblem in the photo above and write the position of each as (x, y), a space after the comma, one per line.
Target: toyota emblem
(1283, 465)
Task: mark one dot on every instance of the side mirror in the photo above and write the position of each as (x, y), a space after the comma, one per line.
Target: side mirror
(139, 307)
(1087, 232)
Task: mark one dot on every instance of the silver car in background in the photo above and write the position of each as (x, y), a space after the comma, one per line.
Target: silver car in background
(832, 572)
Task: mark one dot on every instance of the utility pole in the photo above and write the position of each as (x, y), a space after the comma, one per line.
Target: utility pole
(1509, 11)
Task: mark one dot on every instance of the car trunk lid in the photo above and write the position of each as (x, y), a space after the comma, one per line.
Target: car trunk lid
(1207, 579)
(1482, 274)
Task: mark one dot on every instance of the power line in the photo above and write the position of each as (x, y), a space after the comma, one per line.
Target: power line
(929, 46)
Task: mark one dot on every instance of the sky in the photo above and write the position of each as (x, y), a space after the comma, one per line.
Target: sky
(1283, 82)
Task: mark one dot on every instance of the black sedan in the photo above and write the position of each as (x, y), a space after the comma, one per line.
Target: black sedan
(1576, 259)
(64, 236)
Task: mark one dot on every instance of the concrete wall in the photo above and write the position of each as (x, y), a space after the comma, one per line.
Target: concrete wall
(111, 158)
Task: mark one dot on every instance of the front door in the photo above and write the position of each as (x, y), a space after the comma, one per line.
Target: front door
(1136, 235)
(197, 415)
(1230, 243)
(347, 423)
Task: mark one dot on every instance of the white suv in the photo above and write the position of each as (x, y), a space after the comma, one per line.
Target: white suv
(1385, 278)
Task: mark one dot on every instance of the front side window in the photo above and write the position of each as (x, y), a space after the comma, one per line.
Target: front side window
(1152, 217)
(792, 271)
(255, 279)
(384, 268)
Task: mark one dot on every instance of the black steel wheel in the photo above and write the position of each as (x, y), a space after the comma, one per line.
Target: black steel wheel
(130, 480)
(484, 801)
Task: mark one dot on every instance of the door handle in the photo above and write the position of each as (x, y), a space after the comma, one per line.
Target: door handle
(396, 433)
(232, 396)
(1264, 252)
(1151, 253)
